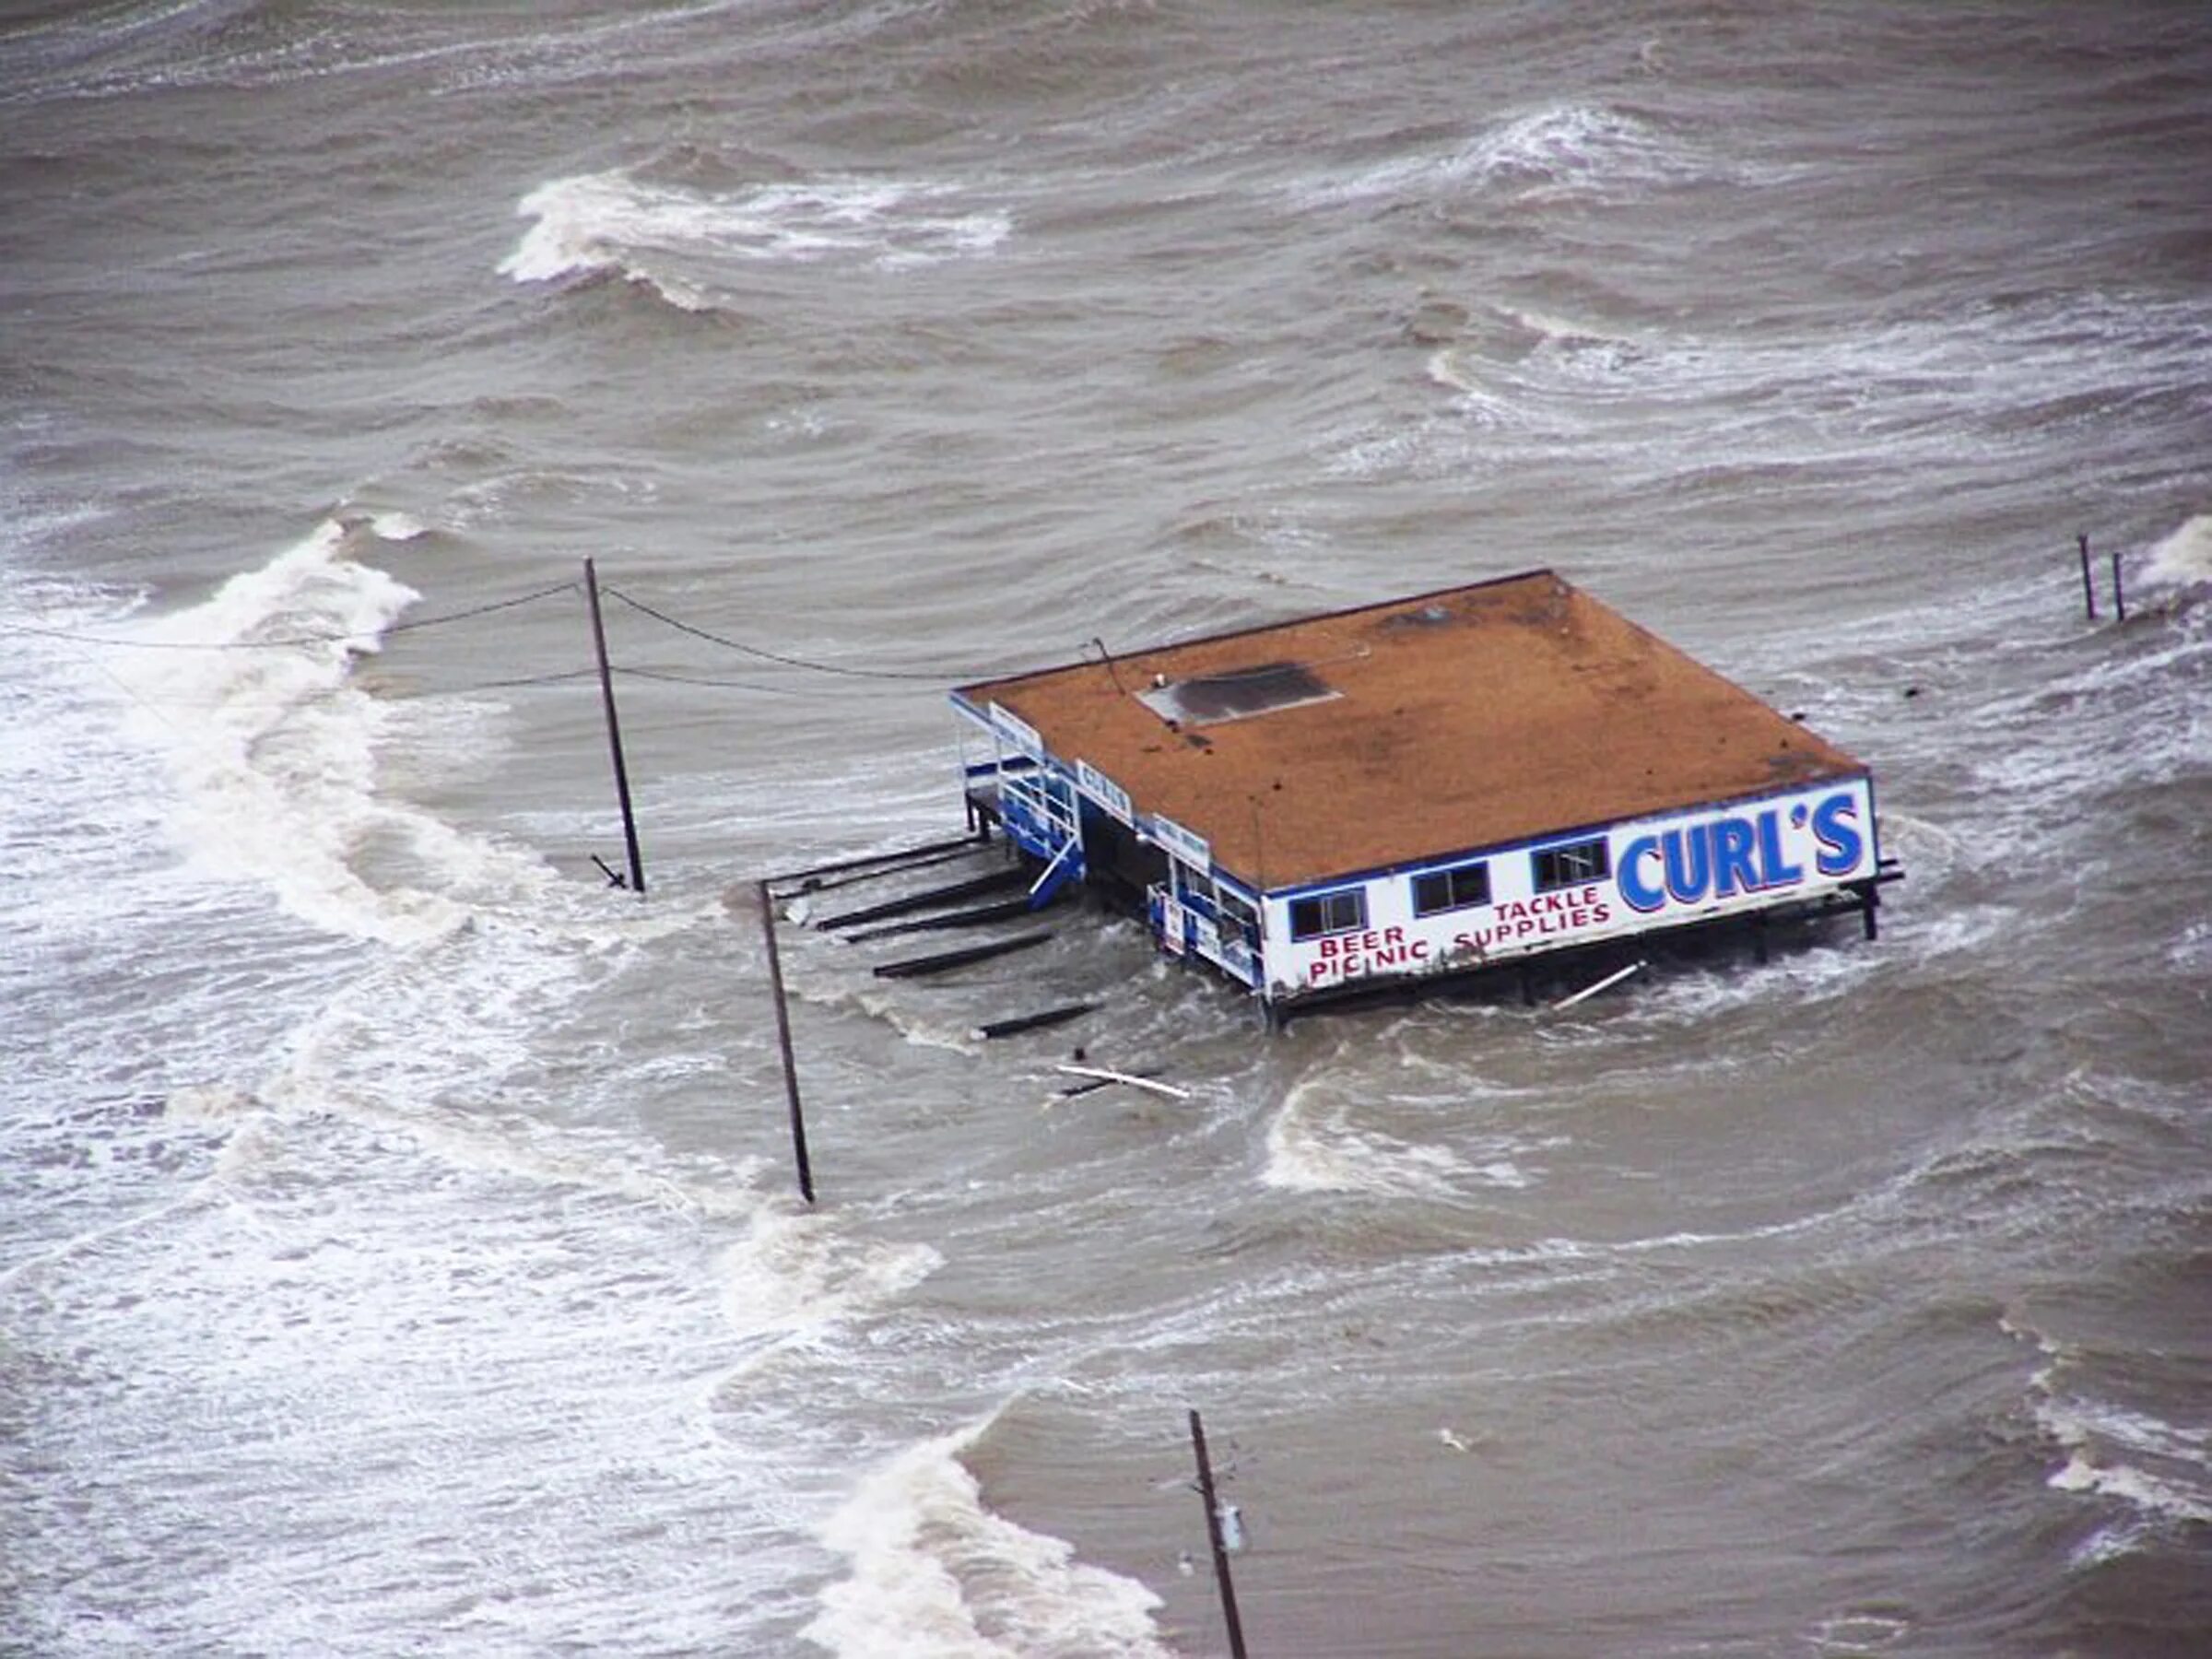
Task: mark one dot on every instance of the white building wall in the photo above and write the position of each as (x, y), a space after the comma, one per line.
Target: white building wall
(1662, 872)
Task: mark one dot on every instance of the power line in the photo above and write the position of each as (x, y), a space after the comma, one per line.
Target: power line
(771, 656)
(505, 685)
(482, 610)
(668, 677)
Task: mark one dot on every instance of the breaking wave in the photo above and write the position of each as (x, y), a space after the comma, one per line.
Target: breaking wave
(937, 1575)
(2160, 1472)
(2184, 556)
(1316, 1145)
(677, 240)
(1565, 149)
(249, 702)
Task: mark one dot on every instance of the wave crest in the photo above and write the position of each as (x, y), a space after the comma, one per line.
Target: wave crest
(674, 240)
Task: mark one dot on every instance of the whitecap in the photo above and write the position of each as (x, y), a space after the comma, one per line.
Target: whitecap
(249, 702)
(1560, 149)
(937, 1575)
(614, 224)
(2185, 555)
(1314, 1145)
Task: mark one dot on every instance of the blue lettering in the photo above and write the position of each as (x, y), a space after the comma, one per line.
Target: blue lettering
(1775, 870)
(1689, 876)
(1836, 824)
(1639, 894)
(1731, 871)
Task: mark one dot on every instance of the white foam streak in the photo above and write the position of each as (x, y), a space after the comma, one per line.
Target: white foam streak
(611, 223)
(1313, 1146)
(1562, 150)
(936, 1576)
(2108, 1447)
(791, 1273)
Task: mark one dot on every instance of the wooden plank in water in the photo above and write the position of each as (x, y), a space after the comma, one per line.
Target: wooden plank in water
(999, 881)
(871, 860)
(1005, 911)
(1129, 1079)
(1032, 1022)
(914, 966)
(920, 860)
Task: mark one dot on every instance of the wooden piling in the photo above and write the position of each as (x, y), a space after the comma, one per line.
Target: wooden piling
(2119, 592)
(2089, 582)
(791, 1074)
(1213, 1535)
(614, 729)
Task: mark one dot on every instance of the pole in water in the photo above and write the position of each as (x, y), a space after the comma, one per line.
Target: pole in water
(1587, 992)
(2119, 593)
(2089, 582)
(614, 729)
(791, 1075)
(1213, 1535)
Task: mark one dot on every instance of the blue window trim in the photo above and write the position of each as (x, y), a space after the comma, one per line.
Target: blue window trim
(1449, 875)
(1321, 902)
(1536, 856)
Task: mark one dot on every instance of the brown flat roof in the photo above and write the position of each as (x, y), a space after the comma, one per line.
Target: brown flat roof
(1469, 718)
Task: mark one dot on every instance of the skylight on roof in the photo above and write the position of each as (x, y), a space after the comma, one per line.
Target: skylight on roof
(1211, 699)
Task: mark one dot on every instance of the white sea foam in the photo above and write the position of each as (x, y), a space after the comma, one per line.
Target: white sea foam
(2185, 555)
(1314, 1146)
(248, 701)
(793, 1271)
(2161, 1470)
(398, 526)
(612, 223)
(1563, 149)
(937, 1575)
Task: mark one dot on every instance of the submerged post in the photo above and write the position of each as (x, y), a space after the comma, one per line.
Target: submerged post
(614, 729)
(2119, 593)
(1213, 1535)
(2089, 582)
(791, 1075)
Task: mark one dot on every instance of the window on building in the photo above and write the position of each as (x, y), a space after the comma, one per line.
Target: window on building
(1571, 865)
(1236, 914)
(1455, 889)
(1344, 911)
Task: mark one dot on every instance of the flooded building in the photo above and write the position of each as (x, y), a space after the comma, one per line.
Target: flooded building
(1425, 787)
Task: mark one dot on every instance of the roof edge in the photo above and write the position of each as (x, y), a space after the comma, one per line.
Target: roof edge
(1262, 628)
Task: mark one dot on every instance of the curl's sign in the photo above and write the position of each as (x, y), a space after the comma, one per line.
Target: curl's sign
(1745, 853)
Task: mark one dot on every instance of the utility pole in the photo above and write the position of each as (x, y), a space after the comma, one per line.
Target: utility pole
(613, 730)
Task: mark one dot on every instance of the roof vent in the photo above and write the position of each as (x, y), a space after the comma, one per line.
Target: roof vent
(1238, 694)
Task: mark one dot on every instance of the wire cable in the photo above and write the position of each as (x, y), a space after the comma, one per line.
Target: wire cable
(669, 676)
(767, 655)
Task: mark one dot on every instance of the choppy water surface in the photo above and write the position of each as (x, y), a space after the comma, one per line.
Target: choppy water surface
(398, 1250)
